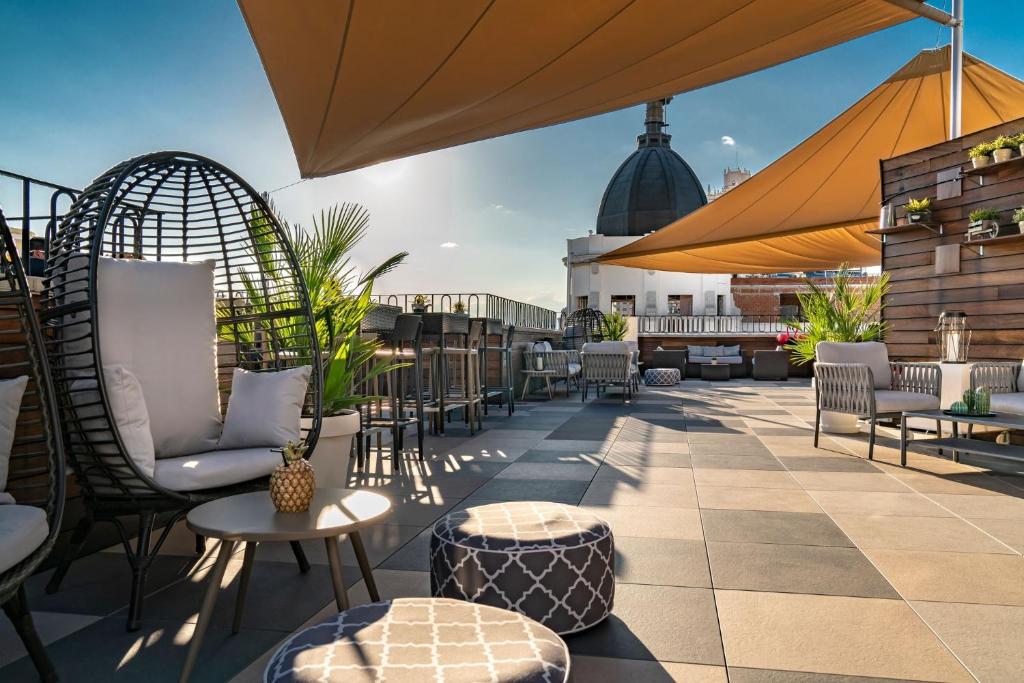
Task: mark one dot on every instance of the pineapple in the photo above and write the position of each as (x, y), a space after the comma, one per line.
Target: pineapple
(293, 483)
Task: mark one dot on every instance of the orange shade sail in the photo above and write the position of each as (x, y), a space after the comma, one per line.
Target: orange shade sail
(810, 209)
(364, 81)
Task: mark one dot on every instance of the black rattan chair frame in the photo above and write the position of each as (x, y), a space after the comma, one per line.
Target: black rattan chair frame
(36, 471)
(169, 206)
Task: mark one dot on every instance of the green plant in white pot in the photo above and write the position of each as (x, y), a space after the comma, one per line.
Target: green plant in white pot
(340, 298)
(981, 155)
(1018, 217)
(1003, 148)
(841, 311)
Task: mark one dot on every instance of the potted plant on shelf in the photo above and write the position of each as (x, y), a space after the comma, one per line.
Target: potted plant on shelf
(919, 210)
(340, 298)
(1003, 147)
(981, 155)
(459, 307)
(419, 304)
(841, 311)
(1019, 138)
(984, 224)
(1018, 217)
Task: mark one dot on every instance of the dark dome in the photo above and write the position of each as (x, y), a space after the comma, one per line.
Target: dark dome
(653, 187)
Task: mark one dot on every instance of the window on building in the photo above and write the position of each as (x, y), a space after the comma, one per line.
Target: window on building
(624, 304)
(789, 306)
(680, 304)
(721, 304)
(582, 302)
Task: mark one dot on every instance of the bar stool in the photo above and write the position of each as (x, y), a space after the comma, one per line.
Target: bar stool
(494, 327)
(445, 358)
(462, 383)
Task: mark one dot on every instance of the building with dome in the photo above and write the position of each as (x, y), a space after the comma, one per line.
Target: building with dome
(653, 187)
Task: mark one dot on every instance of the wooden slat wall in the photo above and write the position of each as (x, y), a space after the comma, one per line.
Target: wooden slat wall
(989, 288)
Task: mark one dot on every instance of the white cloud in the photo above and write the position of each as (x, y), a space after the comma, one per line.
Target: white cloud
(727, 140)
(448, 245)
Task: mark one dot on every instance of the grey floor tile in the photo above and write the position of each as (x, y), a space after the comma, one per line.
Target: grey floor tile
(648, 459)
(514, 489)
(758, 526)
(413, 556)
(547, 470)
(565, 457)
(818, 570)
(660, 561)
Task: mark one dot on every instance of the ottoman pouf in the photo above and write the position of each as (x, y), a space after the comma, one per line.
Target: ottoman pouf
(661, 377)
(552, 562)
(422, 640)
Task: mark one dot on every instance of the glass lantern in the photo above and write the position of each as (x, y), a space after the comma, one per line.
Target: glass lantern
(953, 337)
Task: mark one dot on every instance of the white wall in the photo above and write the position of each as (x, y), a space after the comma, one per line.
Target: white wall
(587, 277)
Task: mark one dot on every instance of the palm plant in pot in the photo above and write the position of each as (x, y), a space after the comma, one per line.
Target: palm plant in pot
(840, 311)
(615, 327)
(340, 297)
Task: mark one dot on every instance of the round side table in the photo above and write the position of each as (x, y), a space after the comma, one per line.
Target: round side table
(251, 518)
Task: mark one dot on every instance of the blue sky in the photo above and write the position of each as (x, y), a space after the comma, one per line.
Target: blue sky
(87, 84)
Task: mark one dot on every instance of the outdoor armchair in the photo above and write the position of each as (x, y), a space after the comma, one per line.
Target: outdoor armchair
(563, 364)
(1003, 379)
(608, 363)
(859, 379)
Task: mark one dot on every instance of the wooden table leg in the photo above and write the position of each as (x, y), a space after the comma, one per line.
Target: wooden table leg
(364, 565)
(334, 560)
(248, 560)
(206, 610)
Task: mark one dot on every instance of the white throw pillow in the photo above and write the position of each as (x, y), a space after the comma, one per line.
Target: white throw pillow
(11, 391)
(157, 320)
(128, 410)
(265, 408)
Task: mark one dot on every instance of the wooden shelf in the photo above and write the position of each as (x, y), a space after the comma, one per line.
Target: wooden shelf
(1000, 239)
(906, 227)
(994, 167)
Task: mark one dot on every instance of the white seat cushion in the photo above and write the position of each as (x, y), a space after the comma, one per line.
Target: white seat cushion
(873, 354)
(575, 368)
(888, 401)
(157, 319)
(1008, 403)
(11, 392)
(606, 347)
(23, 528)
(265, 408)
(215, 468)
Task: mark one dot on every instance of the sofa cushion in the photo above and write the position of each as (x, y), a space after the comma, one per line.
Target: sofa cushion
(731, 350)
(157, 319)
(11, 391)
(215, 468)
(23, 528)
(1008, 403)
(873, 354)
(887, 401)
(696, 350)
(265, 408)
(127, 408)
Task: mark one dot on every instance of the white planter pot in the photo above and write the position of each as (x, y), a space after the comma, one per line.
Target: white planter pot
(980, 162)
(333, 449)
(838, 423)
(1002, 154)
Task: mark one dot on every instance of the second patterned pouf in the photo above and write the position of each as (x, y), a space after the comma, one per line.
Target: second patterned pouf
(552, 562)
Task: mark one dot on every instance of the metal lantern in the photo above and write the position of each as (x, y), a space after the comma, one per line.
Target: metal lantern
(954, 337)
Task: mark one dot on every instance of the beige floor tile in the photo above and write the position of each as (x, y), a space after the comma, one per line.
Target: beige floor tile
(829, 634)
(751, 498)
(953, 577)
(658, 495)
(947, 534)
(848, 481)
(987, 507)
(634, 448)
(608, 670)
(968, 484)
(987, 638)
(878, 503)
(1009, 531)
(747, 478)
(653, 522)
(645, 475)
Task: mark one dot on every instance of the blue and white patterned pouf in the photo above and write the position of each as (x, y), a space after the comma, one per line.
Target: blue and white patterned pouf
(661, 377)
(552, 562)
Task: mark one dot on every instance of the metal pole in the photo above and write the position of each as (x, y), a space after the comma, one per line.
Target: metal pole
(956, 70)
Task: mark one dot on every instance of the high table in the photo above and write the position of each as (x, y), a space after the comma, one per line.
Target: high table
(251, 518)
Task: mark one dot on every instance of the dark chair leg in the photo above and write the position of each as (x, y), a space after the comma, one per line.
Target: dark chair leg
(140, 562)
(17, 611)
(71, 551)
(871, 441)
(200, 544)
(300, 556)
(817, 425)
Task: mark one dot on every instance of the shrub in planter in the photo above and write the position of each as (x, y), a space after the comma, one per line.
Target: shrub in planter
(1018, 217)
(981, 155)
(919, 210)
(984, 223)
(1019, 139)
(1003, 147)
(615, 327)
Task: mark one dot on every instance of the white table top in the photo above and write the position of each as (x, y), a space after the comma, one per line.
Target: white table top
(252, 516)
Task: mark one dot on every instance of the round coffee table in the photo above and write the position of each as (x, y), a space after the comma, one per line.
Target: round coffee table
(250, 518)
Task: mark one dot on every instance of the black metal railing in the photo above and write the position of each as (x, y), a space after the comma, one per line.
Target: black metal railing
(35, 206)
(476, 304)
(697, 325)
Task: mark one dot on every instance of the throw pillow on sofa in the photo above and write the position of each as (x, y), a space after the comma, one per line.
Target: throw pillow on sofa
(265, 408)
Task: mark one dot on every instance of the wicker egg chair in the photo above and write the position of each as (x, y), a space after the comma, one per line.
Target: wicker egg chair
(36, 468)
(171, 207)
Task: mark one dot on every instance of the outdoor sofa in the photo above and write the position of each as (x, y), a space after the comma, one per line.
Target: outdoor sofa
(722, 355)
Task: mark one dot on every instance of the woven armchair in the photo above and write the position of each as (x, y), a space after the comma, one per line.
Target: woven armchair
(563, 364)
(608, 364)
(1002, 379)
(876, 389)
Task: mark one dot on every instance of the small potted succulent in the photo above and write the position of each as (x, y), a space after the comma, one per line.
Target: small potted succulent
(984, 223)
(981, 155)
(1018, 217)
(419, 304)
(459, 307)
(919, 210)
(1003, 147)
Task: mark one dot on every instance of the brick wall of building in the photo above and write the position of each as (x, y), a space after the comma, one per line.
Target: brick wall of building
(764, 295)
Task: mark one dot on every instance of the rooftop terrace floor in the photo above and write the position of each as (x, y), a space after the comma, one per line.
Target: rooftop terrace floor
(742, 552)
